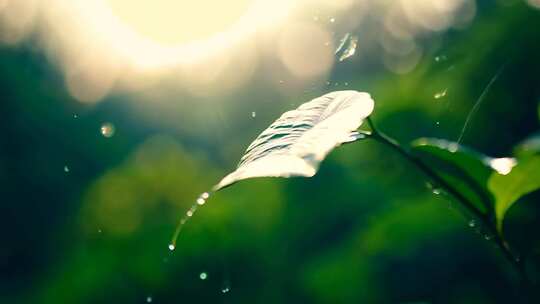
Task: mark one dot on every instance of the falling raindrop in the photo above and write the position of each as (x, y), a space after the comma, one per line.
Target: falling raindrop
(66, 169)
(440, 58)
(148, 299)
(440, 94)
(201, 200)
(347, 47)
(472, 223)
(107, 130)
(253, 114)
(203, 276)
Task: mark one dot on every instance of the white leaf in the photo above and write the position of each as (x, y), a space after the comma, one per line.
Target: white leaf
(300, 139)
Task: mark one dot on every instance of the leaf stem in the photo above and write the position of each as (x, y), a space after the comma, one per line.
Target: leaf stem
(485, 220)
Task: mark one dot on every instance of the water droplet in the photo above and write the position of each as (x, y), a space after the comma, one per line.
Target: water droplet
(346, 84)
(347, 47)
(436, 191)
(205, 195)
(148, 299)
(281, 82)
(440, 58)
(99, 230)
(189, 213)
(472, 223)
(107, 130)
(487, 237)
(171, 247)
(332, 20)
(203, 276)
(326, 43)
(438, 123)
(315, 18)
(328, 83)
(253, 114)
(440, 94)
(201, 201)
(503, 165)
(75, 116)
(66, 169)
(225, 289)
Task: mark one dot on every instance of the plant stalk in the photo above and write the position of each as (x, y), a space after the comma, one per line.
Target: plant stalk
(485, 220)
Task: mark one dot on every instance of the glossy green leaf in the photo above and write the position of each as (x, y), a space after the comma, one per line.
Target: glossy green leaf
(464, 169)
(508, 188)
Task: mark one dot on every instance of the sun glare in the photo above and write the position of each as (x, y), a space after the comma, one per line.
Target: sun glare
(160, 33)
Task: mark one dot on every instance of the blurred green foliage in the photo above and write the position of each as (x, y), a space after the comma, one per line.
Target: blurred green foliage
(365, 229)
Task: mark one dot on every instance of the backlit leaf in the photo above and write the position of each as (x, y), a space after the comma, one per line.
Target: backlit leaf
(296, 143)
(508, 188)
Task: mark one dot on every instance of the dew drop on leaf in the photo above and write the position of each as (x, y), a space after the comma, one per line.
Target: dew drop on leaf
(148, 299)
(503, 165)
(203, 276)
(472, 223)
(66, 169)
(253, 114)
(225, 289)
(171, 247)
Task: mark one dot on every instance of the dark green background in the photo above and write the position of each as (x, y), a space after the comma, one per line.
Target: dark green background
(365, 229)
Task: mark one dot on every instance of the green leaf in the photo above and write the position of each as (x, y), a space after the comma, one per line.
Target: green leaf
(300, 139)
(508, 188)
(529, 146)
(466, 170)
